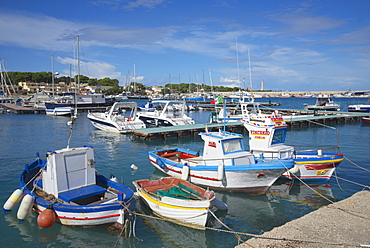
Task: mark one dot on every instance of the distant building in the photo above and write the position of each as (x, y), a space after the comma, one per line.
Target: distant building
(60, 87)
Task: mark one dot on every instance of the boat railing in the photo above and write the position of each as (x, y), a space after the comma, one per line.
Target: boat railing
(320, 150)
(277, 154)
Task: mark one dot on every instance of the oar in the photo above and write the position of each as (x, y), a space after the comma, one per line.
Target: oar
(190, 193)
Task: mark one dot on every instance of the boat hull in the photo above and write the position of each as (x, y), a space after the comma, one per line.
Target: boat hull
(253, 179)
(59, 111)
(365, 120)
(119, 126)
(187, 205)
(183, 214)
(313, 168)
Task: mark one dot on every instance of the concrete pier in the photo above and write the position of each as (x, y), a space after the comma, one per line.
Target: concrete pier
(342, 224)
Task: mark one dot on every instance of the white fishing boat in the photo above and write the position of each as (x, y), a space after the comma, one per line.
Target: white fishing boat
(178, 200)
(66, 188)
(267, 133)
(224, 164)
(323, 103)
(120, 118)
(166, 115)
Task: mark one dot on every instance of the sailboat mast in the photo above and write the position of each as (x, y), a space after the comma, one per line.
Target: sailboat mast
(250, 70)
(237, 60)
(78, 62)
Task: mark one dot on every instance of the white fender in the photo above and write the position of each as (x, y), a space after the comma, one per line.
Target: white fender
(294, 170)
(185, 172)
(220, 171)
(13, 200)
(113, 179)
(25, 207)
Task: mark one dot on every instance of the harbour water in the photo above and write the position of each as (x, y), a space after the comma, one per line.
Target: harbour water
(21, 136)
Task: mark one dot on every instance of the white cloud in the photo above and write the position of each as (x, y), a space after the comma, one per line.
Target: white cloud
(91, 69)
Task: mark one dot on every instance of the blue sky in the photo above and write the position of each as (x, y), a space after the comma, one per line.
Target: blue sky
(293, 45)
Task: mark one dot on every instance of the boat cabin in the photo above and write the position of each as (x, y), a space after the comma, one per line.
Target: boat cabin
(69, 175)
(225, 147)
(267, 135)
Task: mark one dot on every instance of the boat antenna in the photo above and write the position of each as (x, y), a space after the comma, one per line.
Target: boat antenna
(224, 102)
(250, 76)
(70, 124)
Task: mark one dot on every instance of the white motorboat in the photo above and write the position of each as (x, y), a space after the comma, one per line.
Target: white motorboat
(166, 114)
(58, 111)
(120, 118)
(324, 103)
(360, 107)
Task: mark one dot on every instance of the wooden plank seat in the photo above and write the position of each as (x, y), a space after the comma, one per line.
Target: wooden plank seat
(80, 193)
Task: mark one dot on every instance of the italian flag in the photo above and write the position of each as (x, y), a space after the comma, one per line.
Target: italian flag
(217, 100)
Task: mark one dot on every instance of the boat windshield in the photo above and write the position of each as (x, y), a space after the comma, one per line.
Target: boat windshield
(231, 146)
(279, 136)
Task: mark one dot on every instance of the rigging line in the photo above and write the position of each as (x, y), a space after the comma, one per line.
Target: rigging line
(307, 185)
(365, 186)
(336, 178)
(236, 235)
(356, 164)
(250, 234)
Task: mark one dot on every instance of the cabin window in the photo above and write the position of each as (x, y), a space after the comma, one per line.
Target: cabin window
(230, 146)
(279, 136)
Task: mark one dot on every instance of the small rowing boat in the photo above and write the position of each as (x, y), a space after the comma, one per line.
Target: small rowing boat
(178, 200)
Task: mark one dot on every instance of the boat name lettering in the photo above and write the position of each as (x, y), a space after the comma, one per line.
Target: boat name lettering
(253, 132)
(277, 119)
(212, 144)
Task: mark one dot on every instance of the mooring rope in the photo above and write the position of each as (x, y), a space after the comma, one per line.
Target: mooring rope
(356, 164)
(251, 234)
(362, 185)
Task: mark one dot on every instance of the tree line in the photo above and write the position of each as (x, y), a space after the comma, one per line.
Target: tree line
(134, 87)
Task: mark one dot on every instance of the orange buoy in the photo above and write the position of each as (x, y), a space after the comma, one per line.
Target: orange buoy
(47, 217)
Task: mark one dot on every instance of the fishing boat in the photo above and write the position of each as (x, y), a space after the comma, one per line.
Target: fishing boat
(224, 165)
(66, 188)
(178, 200)
(166, 114)
(360, 107)
(324, 103)
(120, 118)
(365, 120)
(267, 134)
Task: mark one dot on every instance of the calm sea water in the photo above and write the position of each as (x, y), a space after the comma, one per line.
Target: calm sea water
(21, 136)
